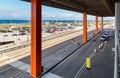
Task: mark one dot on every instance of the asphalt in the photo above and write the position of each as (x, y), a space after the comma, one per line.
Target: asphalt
(70, 67)
(102, 62)
(62, 45)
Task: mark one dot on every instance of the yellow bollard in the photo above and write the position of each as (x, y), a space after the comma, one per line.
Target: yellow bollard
(88, 63)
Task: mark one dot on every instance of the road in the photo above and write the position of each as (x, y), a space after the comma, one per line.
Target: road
(58, 40)
(46, 53)
(53, 55)
(102, 61)
(64, 44)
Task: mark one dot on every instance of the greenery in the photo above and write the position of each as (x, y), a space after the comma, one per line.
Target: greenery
(27, 25)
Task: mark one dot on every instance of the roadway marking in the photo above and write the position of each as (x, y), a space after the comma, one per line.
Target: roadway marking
(81, 69)
(79, 72)
(70, 57)
(83, 66)
(6, 69)
(21, 66)
(51, 75)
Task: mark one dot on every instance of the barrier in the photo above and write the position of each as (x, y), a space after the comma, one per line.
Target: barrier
(88, 66)
(13, 47)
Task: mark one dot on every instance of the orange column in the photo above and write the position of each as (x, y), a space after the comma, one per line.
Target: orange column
(84, 27)
(102, 23)
(35, 58)
(96, 24)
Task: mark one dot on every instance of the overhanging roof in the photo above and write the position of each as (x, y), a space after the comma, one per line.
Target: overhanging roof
(93, 7)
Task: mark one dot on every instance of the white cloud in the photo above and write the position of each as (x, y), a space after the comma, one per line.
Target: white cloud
(58, 15)
(69, 16)
(109, 18)
(14, 14)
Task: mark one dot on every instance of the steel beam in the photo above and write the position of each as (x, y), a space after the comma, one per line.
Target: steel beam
(35, 58)
(84, 27)
(109, 5)
(71, 3)
(97, 24)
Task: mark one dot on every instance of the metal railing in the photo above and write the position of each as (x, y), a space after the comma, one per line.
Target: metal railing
(3, 50)
(58, 35)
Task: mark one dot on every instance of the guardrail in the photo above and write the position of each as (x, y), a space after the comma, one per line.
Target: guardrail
(59, 35)
(28, 43)
(13, 47)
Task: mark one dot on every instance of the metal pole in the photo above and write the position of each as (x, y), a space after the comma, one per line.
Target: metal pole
(117, 28)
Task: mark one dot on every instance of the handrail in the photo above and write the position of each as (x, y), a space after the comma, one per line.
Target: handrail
(11, 47)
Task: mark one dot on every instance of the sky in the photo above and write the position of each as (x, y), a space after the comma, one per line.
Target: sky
(60, 14)
(20, 10)
(14, 9)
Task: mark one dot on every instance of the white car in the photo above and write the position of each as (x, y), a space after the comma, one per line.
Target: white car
(103, 38)
(106, 35)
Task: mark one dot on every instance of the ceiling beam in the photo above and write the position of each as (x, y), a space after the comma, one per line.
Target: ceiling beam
(104, 6)
(70, 3)
(110, 4)
(59, 5)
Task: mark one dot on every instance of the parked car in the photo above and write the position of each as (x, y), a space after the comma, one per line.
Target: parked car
(47, 30)
(14, 34)
(5, 35)
(22, 33)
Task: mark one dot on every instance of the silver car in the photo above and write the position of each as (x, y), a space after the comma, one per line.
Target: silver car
(106, 35)
(103, 38)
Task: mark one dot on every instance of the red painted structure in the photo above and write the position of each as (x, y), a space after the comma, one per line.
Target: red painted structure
(36, 51)
(97, 25)
(84, 27)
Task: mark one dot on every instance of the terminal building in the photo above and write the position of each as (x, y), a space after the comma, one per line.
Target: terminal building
(98, 8)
